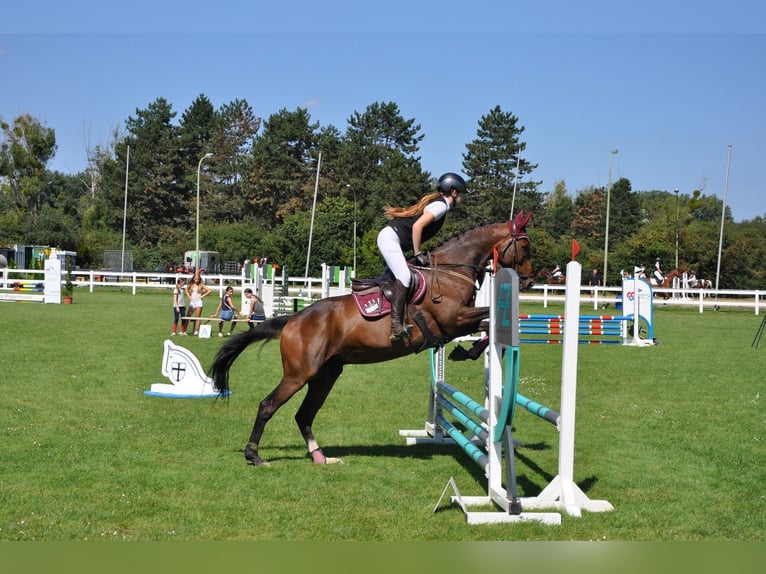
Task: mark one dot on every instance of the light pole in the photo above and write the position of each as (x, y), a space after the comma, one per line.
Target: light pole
(608, 197)
(676, 192)
(348, 186)
(196, 245)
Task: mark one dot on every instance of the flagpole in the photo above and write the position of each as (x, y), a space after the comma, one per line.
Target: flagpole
(125, 210)
(515, 182)
(723, 215)
(313, 211)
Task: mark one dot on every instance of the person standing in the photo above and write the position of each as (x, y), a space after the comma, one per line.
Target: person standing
(179, 306)
(408, 228)
(257, 311)
(196, 291)
(595, 278)
(226, 310)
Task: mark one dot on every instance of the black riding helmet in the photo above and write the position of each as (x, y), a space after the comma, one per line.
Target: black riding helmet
(450, 181)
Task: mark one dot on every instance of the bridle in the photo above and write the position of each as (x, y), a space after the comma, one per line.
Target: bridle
(516, 236)
(479, 271)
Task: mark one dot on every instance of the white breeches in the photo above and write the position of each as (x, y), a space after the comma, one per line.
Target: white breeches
(391, 250)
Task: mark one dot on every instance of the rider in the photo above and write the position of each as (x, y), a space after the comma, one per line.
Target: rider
(658, 274)
(408, 228)
(556, 273)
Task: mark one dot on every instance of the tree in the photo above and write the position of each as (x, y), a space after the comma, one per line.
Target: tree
(25, 151)
(155, 176)
(494, 165)
(232, 143)
(284, 161)
(380, 166)
(557, 212)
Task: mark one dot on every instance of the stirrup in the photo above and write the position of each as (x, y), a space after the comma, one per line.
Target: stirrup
(405, 333)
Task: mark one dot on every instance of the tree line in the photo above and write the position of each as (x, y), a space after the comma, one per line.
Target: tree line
(253, 183)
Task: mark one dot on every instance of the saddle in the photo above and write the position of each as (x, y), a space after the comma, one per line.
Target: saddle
(373, 296)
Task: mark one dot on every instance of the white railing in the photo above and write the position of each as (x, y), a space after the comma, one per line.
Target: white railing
(602, 297)
(311, 288)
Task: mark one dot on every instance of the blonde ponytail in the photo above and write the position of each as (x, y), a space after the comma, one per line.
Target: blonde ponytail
(412, 210)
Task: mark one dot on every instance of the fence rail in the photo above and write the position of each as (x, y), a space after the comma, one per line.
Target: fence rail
(311, 288)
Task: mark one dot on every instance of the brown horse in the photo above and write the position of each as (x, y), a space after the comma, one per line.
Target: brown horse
(667, 282)
(318, 341)
(551, 280)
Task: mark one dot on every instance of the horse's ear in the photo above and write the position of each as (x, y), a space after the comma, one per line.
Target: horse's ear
(521, 220)
(527, 219)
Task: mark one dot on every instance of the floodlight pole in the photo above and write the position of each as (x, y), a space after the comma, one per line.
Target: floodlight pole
(608, 197)
(196, 245)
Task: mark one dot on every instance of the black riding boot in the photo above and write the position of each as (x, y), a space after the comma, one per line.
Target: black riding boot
(398, 301)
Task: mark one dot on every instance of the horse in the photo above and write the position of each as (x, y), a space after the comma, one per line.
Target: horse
(667, 281)
(551, 280)
(695, 282)
(317, 342)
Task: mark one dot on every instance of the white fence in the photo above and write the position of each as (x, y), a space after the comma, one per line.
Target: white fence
(287, 294)
(702, 299)
(281, 294)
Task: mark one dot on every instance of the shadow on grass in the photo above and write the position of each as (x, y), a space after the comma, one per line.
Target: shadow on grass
(528, 486)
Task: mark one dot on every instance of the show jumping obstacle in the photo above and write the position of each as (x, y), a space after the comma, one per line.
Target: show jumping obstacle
(47, 290)
(600, 329)
(489, 441)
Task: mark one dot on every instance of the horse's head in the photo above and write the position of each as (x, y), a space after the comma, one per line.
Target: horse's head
(515, 250)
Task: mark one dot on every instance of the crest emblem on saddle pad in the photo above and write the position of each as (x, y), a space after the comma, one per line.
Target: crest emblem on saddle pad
(186, 375)
(373, 304)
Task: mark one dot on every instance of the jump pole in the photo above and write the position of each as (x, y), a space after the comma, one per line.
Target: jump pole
(562, 492)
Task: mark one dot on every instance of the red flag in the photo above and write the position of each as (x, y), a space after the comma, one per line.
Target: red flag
(575, 249)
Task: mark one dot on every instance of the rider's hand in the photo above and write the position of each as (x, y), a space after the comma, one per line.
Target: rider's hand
(421, 259)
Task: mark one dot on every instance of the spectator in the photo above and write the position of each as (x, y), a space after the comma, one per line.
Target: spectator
(226, 310)
(196, 291)
(257, 312)
(179, 307)
(595, 279)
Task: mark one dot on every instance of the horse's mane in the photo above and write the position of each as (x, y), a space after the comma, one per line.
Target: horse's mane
(520, 221)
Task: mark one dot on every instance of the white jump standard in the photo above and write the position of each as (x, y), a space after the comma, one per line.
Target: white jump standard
(490, 425)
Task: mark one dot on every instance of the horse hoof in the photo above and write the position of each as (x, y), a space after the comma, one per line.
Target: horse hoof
(319, 458)
(252, 457)
(330, 460)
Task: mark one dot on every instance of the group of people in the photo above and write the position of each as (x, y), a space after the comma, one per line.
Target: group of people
(196, 291)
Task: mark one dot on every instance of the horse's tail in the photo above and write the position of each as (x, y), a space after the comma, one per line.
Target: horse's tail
(229, 352)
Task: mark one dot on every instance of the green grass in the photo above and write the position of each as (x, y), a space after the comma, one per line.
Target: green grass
(673, 436)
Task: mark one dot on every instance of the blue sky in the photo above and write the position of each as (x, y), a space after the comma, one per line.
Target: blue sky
(671, 85)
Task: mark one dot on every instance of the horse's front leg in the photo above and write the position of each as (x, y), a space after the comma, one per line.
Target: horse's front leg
(469, 318)
(318, 389)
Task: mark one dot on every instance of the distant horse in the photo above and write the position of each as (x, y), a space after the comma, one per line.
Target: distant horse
(695, 282)
(667, 282)
(317, 342)
(551, 280)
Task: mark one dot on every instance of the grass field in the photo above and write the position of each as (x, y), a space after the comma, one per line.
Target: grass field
(673, 436)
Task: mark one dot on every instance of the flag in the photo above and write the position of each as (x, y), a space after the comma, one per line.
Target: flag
(575, 249)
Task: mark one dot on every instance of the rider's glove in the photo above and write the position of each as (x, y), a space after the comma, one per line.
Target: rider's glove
(421, 259)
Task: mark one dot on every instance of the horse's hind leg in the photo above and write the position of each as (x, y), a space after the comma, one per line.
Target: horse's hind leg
(318, 389)
(276, 398)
